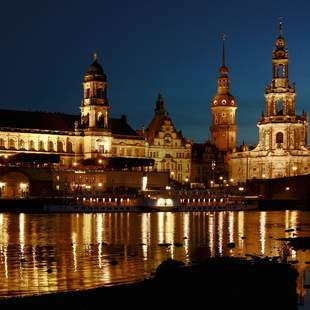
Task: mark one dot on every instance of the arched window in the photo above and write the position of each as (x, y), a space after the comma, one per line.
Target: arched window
(60, 147)
(280, 107)
(21, 144)
(100, 121)
(11, 144)
(50, 146)
(99, 93)
(31, 145)
(69, 147)
(280, 71)
(279, 137)
(87, 93)
(41, 146)
(2, 144)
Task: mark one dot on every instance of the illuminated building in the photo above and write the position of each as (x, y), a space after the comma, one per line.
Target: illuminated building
(223, 109)
(92, 134)
(209, 158)
(282, 149)
(167, 146)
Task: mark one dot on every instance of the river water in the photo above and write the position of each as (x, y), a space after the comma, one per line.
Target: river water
(44, 253)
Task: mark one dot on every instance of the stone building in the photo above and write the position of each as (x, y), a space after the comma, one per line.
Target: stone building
(91, 135)
(208, 165)
(282, 148)
(167, 146)
(91, 143)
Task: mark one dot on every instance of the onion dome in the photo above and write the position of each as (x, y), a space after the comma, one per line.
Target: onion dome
(95, 71)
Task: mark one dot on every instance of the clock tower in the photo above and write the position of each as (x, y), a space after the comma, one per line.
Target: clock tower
(223, 108)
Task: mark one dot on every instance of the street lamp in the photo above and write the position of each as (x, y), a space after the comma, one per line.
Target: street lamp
(213, 165)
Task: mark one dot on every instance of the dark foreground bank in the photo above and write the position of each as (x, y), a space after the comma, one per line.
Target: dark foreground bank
(217, 283)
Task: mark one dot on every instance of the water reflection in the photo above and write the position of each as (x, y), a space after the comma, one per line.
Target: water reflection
(60, 252)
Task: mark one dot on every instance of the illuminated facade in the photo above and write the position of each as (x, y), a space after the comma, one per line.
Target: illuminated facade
(223, 109)
(282, 149)
(92, 134)
(91, 139)
(167, 146)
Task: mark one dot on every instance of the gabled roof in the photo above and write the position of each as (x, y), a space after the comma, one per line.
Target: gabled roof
(159, 119)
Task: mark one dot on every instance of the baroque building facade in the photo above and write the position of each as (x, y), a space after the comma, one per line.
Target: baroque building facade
(93, 138)
(282, 149)
(167, 146)
(91, 135)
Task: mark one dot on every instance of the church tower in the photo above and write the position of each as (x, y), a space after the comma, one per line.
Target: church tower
(95, 112)
(279, 127)
(94, 106)
(282, 149)
(223, 108)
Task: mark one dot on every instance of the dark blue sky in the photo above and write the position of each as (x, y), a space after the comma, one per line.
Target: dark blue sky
(146, 46)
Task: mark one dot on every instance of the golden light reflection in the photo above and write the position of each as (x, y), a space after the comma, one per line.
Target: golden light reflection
(22, 234)
(4, 241)
(87, 229)
(262, 231)
(231, 222)
(166, 229)
(186, 235)
(211, 233)
(61, 250)
(220, 233)
(145, 233)
(99, 231)
(240, 228)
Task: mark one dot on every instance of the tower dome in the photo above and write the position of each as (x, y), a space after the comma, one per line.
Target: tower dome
(95, 71)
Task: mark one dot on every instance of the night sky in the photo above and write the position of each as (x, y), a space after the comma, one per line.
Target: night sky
(146, 46)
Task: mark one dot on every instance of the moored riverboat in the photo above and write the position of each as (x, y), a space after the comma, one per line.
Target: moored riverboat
(149, 201)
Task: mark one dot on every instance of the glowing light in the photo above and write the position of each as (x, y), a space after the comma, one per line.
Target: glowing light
(287, 188)
(144, 183)
(241, 188)
(100, 184)
(23, 186)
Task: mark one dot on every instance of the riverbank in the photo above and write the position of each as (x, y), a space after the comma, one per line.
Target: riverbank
(216, 283)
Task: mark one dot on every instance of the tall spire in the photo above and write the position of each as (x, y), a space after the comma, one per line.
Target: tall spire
(223, 49)
(160, 109)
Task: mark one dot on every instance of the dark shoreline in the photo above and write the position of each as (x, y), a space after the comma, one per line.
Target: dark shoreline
(216, 283)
